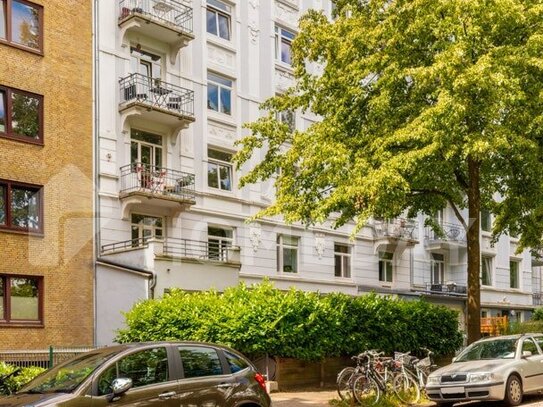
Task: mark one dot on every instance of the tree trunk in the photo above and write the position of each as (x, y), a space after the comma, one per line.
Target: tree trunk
(474, 253)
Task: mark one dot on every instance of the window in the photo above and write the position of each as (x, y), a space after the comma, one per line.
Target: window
(385, 267)
(529, 346)
(21, 24)
(486, 221)
(146, 149)
(145, 63)
(145, 227)
(219, 169)
(21, 299)
(219, 240)
(342, 260)
(20, 207)
(218, 19)
(219, 93)
(287, 117)
(200, 361)
(283, 45)
(287, 254)
(21, 115)
(514, 274)
(437, 268)
(235, 362)
(486, 270)
(143, 368)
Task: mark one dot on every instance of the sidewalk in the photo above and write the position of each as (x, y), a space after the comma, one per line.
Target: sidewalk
(303, 398)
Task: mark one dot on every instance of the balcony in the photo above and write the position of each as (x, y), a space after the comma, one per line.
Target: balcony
(537, 299)
(168, 21)
(449, 288)
(154, 100)
(448, 237)
(187, 264)
(395, 235)
(145, 186)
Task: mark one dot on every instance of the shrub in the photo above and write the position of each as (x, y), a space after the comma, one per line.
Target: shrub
(306, 325)
(538, 314)
(18, 379)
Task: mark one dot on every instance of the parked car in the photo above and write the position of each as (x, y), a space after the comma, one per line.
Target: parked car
(150, 374)
(497, 368)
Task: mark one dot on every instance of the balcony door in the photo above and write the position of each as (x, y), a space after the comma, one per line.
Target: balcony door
(437, 269)
(145, 227)
(146, 150)
(145, 63)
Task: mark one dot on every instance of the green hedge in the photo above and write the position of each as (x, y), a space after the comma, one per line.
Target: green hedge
(17, 380)
(262, 319)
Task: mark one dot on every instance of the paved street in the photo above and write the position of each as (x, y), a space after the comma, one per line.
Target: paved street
(321, 398)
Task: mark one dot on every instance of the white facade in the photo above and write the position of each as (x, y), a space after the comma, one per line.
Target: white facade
(168, 198)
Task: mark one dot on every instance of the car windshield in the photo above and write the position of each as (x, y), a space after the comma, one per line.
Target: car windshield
(496, 349)
(69, 375)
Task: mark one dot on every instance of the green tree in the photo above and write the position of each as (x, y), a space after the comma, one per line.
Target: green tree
(423, 103)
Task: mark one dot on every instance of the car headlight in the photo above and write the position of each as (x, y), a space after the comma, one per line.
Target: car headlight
(480, 377)
(434, 380)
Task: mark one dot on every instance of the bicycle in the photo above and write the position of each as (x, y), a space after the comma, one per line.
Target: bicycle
(347, 376)
(405, 383)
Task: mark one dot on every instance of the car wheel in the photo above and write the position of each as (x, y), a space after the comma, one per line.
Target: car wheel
(513, 391)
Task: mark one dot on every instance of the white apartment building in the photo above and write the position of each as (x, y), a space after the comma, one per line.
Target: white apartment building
(175, 82)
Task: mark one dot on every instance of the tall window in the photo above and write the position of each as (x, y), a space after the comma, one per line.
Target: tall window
(283, 45)
(20, 207)
(342, 260)
(514, 274)
(145, 63)
(486, 270)
(289, 118)
(287, 253)
(385, 267)
(219, 93)
(438, 268)
(145, 227)
(21, 23)
(219, 240)
(486, 221)
(218, 19)
(21, 115)
(145, 148)
(219, 169)
(21, 299)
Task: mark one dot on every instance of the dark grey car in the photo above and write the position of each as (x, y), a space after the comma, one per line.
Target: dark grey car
(149, 374)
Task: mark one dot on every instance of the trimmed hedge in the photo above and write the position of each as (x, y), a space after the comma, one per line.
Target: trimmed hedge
(305, 325)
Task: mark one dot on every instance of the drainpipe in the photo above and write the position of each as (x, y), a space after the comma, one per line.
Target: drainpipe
(96, 155)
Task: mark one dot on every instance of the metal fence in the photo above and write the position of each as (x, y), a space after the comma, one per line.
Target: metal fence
(396, 228)
(168, 12)
(196, 249)
(448, 232)
(154, 92)
(45, 358)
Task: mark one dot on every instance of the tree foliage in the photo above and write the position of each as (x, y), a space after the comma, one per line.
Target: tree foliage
(422, 103)
(261, 319)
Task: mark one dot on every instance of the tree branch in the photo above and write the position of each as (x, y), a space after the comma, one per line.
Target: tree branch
(449, 200)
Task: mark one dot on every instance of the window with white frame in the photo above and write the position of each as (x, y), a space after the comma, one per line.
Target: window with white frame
(218, 17)
(219, 239)
(283, 45)
(342, 260)
(486, 270)
(385, 267)
(287, 117)
(514, 274)
(287, 253)
(145, 227)
(219, 93)
(437, 268)
(219, 169)
(486, 221)
(145, 63)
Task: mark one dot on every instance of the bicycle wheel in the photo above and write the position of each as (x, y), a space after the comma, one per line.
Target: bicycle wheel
(366, 391)
(406, 389)
(344, 383)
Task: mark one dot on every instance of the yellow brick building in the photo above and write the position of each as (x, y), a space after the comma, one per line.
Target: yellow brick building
(46, 181)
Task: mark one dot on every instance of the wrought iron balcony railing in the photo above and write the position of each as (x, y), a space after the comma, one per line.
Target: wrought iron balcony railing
(446, 288)
(196, 249)
(140, 177)
(156, 93)
(167, 12)
(537, 299)
(125, 245)
(449, 232)
(396, 228)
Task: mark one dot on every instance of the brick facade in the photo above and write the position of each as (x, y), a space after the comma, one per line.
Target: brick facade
(63, 256)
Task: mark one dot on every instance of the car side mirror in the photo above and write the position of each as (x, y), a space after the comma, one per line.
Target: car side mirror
(526, 353)
(120, 385)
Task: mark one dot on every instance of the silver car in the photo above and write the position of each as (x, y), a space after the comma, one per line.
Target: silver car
(498, 368)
